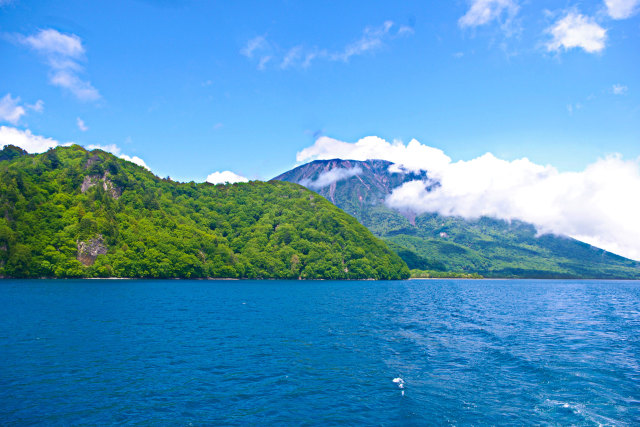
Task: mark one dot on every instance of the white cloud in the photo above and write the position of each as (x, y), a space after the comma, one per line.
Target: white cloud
(63, 53)
(253, 45)
(482, 12)
(618, 89)
(26, 140)
(405, 30)
(81, 125)
(10, 109)
(51, 42)
(115, 150)
(83, 90)
(262, 64)
(134, 159)
(372, 39)
(413, 156)
(621, 9)
(38, 107)
(39, 144)
(596, 205)
(329, 177)
(225, 177)
(576, 31)
(261, 50)
(574, 107)
(291, 56)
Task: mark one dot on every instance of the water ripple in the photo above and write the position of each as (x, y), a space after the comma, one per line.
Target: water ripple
(320, 353)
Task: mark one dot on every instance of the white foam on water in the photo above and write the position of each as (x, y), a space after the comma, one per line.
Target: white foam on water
(586, 413)
(400, 383)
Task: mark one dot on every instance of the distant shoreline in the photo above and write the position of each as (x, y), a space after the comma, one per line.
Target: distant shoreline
(312, 280)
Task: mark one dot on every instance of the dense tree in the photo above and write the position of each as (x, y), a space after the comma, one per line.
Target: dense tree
(157, 228)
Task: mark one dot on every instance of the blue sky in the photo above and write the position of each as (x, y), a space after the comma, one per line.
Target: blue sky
(193, 87)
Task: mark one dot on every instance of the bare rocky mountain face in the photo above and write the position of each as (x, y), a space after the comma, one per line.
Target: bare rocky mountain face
(488, 246)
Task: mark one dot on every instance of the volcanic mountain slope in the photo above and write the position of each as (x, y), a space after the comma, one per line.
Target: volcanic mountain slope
(491, 247)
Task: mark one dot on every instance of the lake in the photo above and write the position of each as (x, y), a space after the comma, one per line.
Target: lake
(319, 352)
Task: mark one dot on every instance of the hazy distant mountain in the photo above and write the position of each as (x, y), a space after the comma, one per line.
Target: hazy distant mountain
(491, 247)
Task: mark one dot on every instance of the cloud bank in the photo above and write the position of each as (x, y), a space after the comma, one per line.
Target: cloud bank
(598, 205)
(26, 140)
(225, 177)
(413, 156)
(329, 177)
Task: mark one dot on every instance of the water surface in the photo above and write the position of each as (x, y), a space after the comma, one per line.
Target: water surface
(320, 352)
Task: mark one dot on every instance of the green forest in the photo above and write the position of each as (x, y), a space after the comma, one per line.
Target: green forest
(70, 212)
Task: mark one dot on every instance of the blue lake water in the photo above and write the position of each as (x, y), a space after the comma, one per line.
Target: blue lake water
(319, 352)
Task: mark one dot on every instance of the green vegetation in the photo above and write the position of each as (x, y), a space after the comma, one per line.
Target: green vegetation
(495, 248)
(432, 242)
(432, 274)
(73, 213)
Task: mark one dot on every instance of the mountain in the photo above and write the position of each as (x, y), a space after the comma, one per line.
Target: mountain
(70, 212)
(490, 247)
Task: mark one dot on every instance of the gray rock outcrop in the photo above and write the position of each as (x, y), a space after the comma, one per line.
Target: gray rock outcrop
(88, 251)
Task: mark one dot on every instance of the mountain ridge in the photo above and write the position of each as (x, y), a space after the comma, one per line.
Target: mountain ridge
(70, 212)
(429, 241)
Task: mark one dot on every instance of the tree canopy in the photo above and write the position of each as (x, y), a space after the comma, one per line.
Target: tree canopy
(55, 203)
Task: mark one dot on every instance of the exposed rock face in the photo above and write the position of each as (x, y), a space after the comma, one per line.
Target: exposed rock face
(91, 180)
(359, 188)
(88, 251)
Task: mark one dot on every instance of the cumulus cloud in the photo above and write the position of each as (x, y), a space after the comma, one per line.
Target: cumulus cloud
(26, 140)
(329, 177)
(482, 12)
(576, 31)
(63, 53)
(618, 89)
(597, 205)
(225, 177)
(621, 9)
(115, 150)
(10, 109)
(413, 156)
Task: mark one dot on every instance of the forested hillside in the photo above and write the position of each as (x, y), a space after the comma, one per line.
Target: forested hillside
(76, 213)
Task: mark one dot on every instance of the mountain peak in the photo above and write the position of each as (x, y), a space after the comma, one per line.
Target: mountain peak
(366, 182)
(491, 247)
